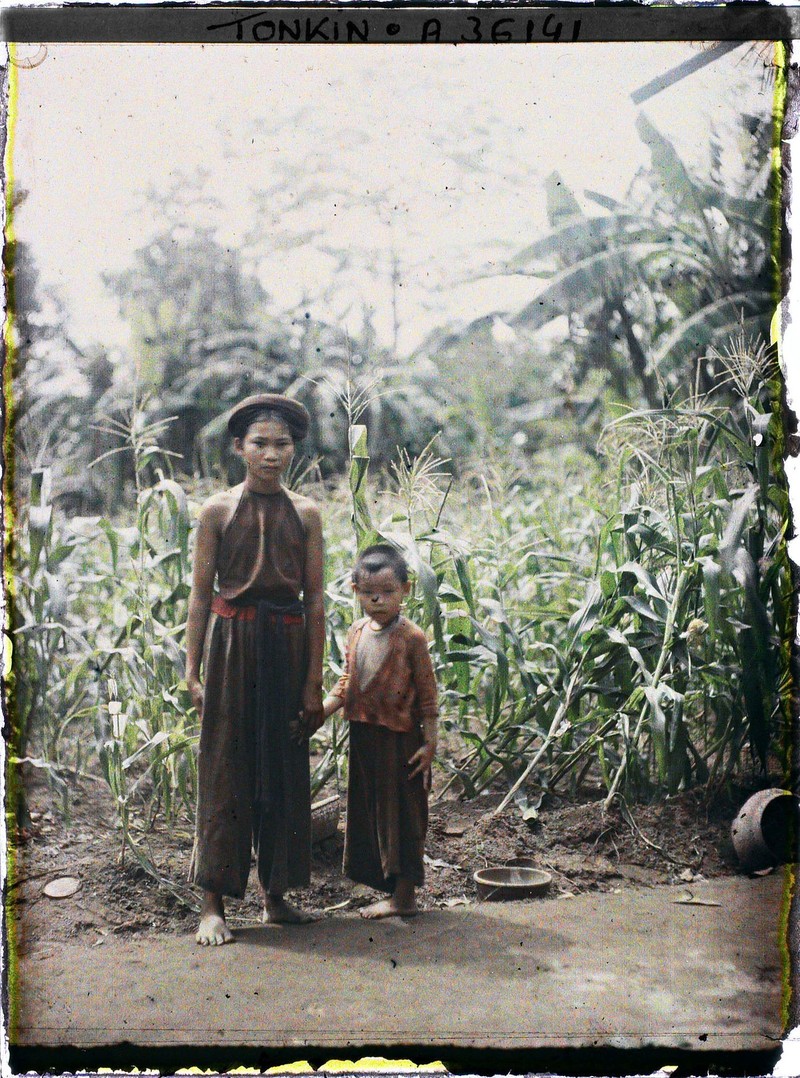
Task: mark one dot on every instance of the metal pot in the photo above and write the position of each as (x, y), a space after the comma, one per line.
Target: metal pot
(765, 831)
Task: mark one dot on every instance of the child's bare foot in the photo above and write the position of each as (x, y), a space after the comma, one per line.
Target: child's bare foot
(212, 930)
(277, 911)
(390, 907)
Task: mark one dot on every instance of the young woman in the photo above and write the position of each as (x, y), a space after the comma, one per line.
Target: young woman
(261, 638)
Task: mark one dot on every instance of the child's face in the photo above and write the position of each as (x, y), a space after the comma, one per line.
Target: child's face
(381, 595)
(267, 450)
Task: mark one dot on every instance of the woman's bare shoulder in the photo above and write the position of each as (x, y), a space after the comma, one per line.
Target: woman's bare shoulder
(217, 509)
(307, 509)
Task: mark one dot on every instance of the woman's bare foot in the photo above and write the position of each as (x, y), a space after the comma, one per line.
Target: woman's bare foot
(403, 902)
(277, 911)
(390, 907)
(212, 930)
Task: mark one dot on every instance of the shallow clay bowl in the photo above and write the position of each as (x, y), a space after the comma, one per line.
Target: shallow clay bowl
(511, 881)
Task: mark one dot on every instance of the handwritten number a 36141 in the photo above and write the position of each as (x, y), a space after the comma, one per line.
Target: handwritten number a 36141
(268, 26)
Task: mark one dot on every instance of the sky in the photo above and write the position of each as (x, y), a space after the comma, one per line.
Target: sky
(328, 166)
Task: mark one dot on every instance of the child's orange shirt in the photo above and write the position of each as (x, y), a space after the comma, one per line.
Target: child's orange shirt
(402, 694)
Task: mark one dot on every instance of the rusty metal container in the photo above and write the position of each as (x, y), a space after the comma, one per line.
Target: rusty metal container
(765, 831)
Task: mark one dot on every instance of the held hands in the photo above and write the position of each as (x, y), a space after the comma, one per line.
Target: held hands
(309, 718)
(311, 715)
(312, 708)
(421, 762)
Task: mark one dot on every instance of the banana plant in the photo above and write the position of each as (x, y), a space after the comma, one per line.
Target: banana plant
(658, 280)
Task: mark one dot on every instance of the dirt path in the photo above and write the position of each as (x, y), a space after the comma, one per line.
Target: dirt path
(585, 849)
(627, 969)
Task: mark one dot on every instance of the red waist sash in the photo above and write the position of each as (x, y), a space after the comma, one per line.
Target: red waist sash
(290, 615)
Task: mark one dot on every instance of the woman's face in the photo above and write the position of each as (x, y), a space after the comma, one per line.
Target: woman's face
(266, 449)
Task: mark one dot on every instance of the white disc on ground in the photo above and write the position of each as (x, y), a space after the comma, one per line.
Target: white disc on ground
(63, 887)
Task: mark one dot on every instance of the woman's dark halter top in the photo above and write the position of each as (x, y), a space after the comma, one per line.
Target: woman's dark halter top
(262, 551)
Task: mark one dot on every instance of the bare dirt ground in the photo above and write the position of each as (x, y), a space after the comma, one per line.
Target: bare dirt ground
(682, 840)
(665, 950)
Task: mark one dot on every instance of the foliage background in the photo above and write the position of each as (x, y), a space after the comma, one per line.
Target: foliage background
(580, 455)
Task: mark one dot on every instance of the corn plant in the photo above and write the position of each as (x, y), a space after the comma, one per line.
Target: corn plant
(146, 580)
(706, 583)
(49, 684)
(506, 602)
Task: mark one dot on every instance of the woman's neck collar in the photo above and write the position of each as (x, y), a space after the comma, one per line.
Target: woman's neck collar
(254, 487)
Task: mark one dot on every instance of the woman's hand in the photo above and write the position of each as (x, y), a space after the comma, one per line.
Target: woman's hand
(195, 687)
(312, 715)
(421, 763)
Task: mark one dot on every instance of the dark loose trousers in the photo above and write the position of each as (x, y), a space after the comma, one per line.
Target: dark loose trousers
(387, 815)
(253, 783)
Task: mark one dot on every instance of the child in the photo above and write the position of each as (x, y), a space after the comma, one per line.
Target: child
(261, 649)
(388, 692)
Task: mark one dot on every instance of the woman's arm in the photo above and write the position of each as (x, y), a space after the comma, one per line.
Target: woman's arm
(203, 574)
(313, 601)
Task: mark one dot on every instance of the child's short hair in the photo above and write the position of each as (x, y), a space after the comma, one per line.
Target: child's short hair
(376, 558)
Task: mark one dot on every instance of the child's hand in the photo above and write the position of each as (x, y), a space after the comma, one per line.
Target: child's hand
(421, 763)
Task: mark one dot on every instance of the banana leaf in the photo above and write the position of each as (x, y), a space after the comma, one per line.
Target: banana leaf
(716, 321)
